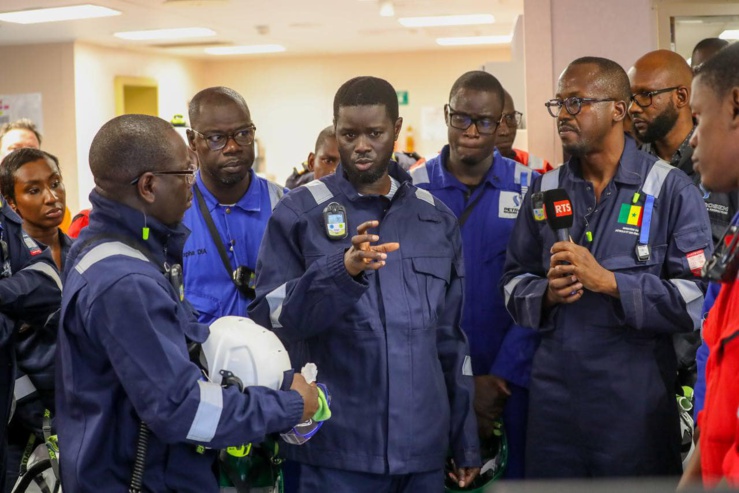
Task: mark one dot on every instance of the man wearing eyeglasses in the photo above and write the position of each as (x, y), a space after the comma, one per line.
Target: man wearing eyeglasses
(606, 302)
(230, 208)
(485, 191)
(663, 122)
(507, 130)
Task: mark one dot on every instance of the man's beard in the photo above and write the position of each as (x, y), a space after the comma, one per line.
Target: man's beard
(660, 126)
(366, 177)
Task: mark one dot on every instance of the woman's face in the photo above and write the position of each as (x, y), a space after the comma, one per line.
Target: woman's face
(40, 198)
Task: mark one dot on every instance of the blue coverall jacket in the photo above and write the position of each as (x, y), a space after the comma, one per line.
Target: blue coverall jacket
(602, 394)
(208, 286)
(497, 345)
(122, 358)
(388, 343)
(30, 293)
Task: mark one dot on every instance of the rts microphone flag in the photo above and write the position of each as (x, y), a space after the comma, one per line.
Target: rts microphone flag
(559, 212)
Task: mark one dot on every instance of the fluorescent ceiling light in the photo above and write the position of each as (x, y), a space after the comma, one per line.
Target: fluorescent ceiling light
(387, 9)
(70, 13)
(244, 50)
(447, 20)
(157, 34)
(729, 34)
(475, 40)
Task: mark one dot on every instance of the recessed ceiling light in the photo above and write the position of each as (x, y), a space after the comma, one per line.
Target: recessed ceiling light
(245, 50)
(157, 34)
(447, 20)
(70, 13)
(729, 34)
(387, 9)
(475, 40)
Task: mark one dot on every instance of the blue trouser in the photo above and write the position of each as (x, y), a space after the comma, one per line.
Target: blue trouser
(315, 479)
(515, 414)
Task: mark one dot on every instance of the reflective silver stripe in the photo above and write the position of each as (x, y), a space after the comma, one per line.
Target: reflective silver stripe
(693, 298)
(275, 194)
(535, 162)
(425, 196)
(467, 366)
(275, 299)
(520, 168)
(210, 407)
(50, 271)
(319, 190)
(656, 177)
(420, 175)
(511, 285)
(550, 180)
(105, 250)
(23, 388)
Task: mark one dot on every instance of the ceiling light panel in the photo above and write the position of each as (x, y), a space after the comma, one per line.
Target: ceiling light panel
(475, 40)
(56, 14)
(447, 20)
(159, 34)
(245, 50)
(730, 34)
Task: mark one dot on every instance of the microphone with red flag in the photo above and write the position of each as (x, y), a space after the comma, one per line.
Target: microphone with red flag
(558, 209)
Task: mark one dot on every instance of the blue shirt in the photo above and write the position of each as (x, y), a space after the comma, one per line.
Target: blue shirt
(208, 287)
(497, 345)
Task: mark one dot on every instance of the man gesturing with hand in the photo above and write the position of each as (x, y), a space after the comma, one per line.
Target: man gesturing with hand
(378, 312)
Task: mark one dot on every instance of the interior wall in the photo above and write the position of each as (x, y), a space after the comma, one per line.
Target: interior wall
(49, 70)
(95, 69)
(291, 99)
(556, 33)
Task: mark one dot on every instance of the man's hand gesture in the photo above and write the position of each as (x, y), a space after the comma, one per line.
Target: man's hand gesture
(363, 256)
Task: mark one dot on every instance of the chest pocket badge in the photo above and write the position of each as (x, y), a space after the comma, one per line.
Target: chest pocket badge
(508, 205)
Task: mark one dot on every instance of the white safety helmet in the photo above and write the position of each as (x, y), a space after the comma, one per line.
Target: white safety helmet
(250, 352)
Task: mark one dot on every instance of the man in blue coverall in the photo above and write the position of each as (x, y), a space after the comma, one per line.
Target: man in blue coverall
(30, 294)
(485, 191)
(602, 393)
(381, 321)
(123, 341)
(230, 194)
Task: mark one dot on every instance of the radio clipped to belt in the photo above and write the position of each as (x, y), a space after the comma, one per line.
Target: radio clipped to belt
(242, 276)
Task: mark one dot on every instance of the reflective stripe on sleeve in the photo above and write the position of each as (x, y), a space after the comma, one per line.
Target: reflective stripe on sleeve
(23, 388)
(420, 175)
(693, 298)
(425, 196)
(319, 190)
(205, 423)
(511, 285)
(467, 366)
(550, 180)
(48, 270)
(656, 178)
(275, 194)
(275, 299)
(105, 250)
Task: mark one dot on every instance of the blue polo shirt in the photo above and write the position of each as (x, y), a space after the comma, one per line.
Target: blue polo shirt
(208, 286)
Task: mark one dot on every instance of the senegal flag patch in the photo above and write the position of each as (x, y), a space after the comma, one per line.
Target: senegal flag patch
(630, 214)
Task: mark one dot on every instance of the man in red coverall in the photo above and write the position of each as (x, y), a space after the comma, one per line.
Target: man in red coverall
(715, 105)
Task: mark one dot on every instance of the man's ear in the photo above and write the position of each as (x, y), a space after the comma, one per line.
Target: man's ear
(735, 106)
(398, 126)
(683, 96)
(191, 139)
(12, 205)
(311, 161)
(146, 188)
(619, 110)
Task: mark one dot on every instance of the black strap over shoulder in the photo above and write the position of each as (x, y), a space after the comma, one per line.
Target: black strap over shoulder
(470, 207)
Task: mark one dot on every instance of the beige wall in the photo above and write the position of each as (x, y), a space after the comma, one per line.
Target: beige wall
(291, 99)
(559, 31)
(95, 69)
(48, 69)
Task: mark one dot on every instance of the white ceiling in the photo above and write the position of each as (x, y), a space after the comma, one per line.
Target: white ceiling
(302, 26)
(690, 30)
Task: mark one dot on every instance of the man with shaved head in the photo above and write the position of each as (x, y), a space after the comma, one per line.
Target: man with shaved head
(663, 122)
(705, 49)
(608, 298)
(124, 374)
(230, 209)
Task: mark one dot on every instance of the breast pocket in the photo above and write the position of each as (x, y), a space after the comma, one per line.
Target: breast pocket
(430, 277)
(629, 263)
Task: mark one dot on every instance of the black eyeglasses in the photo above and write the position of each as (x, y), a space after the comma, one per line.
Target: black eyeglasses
(512, 120)
(644, 99)
(573, 104)
(217, 141)
(188, 174)
(462, 121)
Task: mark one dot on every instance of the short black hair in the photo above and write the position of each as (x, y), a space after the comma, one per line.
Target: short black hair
(327, 133)
(212, 94)
(613, 80)
(128, 146)
(477, 80)
(710, 44)
(20, 124)
(367, 91)
(15, 160)
(721, 71)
